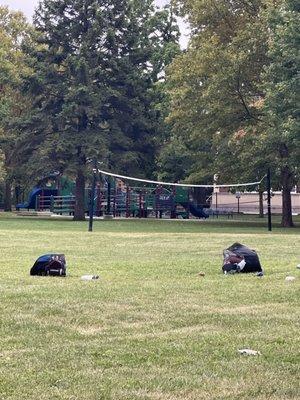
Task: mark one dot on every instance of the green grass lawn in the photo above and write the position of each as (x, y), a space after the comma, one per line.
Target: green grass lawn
(150, 327)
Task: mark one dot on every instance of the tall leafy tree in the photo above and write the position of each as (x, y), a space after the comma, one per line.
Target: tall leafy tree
(14, 31)
(215, 84)
(224, 106)
(95, 70)
(281, 105)
(166, 21)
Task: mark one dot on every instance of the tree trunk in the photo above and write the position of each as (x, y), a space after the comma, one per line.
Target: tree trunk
(261, 203)
(286, 180)
(79, 212)
(18, 194)
(7, 195)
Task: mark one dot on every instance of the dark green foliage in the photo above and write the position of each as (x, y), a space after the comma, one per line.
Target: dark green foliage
(214, 85)
(282, 88)
(14, 32)
(96, 65)
(234, 93)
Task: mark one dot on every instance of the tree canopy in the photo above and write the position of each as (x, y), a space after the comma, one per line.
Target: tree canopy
(96, 65)
(14, 31)
(220, 95)
(282, 88)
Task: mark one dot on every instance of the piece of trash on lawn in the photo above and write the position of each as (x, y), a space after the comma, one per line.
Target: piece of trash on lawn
(89, 277)
(249, 352)
(298, 266)
(201, 274)
(290, 278)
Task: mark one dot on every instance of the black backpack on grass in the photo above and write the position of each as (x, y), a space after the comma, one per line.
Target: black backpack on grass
(50, 265)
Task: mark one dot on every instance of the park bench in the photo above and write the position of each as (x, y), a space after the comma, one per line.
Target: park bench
(216, 212)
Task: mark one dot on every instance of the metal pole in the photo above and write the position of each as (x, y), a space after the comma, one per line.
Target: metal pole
(269, 200)
(91, 219)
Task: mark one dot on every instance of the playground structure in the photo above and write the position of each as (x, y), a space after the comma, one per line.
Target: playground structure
(55, 193)
(47, 186)
(141, 202)
(147, 201)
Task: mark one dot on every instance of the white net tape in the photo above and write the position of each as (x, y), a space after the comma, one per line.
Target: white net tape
(130, 178)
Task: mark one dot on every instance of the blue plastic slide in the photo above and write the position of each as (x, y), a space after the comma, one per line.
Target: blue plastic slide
(36, 191)
(30, 204)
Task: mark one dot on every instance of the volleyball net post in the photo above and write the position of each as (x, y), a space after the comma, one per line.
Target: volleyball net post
(92, 199)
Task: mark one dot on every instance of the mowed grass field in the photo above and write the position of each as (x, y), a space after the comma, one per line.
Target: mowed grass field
(150, 328)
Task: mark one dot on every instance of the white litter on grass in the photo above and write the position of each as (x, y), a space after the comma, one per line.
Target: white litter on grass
(290, 278)
(89, 277)
(298, 266)
(249, 352)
